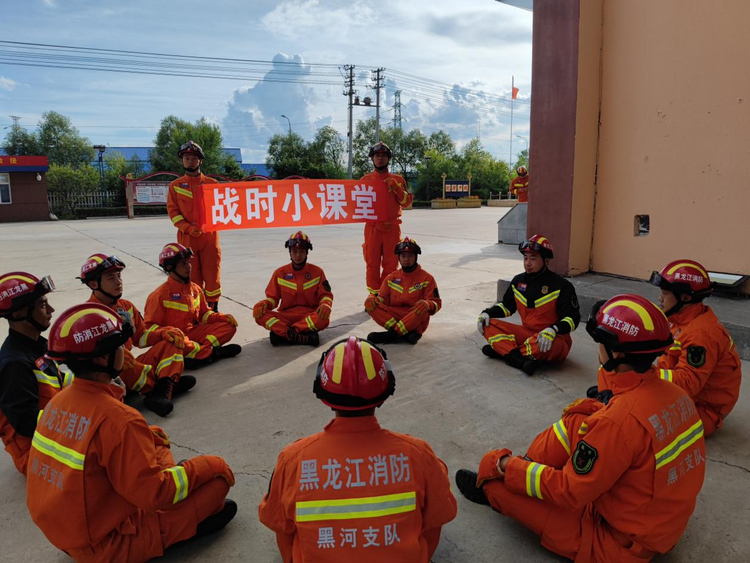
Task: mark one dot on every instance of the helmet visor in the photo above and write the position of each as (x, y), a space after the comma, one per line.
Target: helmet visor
(47, 285)
(531, 246)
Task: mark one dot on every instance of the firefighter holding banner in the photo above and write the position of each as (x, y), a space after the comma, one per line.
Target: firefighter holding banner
(182, 204)
(383, 235)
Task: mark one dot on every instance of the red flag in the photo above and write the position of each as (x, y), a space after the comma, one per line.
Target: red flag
(515, 93)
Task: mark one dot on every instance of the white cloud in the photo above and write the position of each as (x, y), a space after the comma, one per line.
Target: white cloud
(297, 17)
(50, 3)
(8, 84)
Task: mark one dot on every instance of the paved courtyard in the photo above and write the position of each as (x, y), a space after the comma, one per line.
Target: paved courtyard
(248, 408)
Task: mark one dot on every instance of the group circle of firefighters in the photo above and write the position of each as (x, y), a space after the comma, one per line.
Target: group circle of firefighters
(614, 479)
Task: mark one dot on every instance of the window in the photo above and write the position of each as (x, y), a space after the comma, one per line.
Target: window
(5, 188)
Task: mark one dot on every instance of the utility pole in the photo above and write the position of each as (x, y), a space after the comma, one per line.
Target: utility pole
(15, 119)
(512, 98)
(378, 85)
(349, 91)
(397, 109)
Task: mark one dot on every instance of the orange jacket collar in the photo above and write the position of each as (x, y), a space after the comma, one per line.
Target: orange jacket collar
(626, 381)
(95, 388)
(687, 314)
(353, 424)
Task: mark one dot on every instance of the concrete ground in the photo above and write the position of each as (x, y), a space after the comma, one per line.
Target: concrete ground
(248, 408)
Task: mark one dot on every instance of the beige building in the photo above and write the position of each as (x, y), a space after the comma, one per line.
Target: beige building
(640, 128)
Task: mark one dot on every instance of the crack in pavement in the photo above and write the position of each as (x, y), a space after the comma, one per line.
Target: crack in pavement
(466, 337)
(263, 473)
(745, 469)
(548, 380)
(187, 448)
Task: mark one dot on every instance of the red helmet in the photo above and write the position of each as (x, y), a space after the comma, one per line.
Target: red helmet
(353, 375)
(191, 147)
(20, 289)
(537, 243)
(86, 331)
(171, 254)
(97, 264)
(407, 244)
(684, 277)
(630, 324)
(380, 147)
(521, 171)
(298, 239)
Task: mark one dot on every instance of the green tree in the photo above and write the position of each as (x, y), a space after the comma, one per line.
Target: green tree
(72, 185)
(325, 154)
(523, 159)
(408, 148)
(487, 174)
(429, 183)
(174, 132)
(19, 142)
(442, 143)
(287, 155)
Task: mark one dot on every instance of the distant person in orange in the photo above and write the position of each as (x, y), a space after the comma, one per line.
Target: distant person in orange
(298, 299)
(181, 205)
(627, 483)
(407, 299)
(383, 235)
(102, 485)
(703, 359)
(519, 187)
(356, 492)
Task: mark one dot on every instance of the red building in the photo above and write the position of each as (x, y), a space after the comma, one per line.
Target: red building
(23, 188)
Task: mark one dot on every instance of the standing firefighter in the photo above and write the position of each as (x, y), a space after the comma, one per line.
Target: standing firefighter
(519, 187)
(298, 298)
(103, 485)
(383, 235)
(182, 207)
(628, 485)
(356, 491)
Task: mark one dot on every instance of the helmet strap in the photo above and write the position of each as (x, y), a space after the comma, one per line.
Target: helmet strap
(411, 268)
(192, 170)
(381, 169)
(613, 362)
(183, 279)
(29, 318)
(114, 298)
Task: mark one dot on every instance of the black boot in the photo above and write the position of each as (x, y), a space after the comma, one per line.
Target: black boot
(277, 340)
(226, 351)
(515, 359)
(412, 337)
(184, 384)
(160, 398)
(529, 367)
(592, 391)
(303, 338)
(387, 337)
(467, 483)
(217, 521)
(489, 351)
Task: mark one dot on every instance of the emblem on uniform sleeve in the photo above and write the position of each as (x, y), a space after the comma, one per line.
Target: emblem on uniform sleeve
(545, 289)
(288, 276)
(435, 294)
(584, 458)
(521, 287)
(696, 356)
(417, 286)
(176, 296)
(41, 363)
(308, 276)
(185, 185)
(327, 285)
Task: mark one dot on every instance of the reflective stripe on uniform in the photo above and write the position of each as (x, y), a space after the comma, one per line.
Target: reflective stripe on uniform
(214, 293)
(548, 336)
(570, 322)
(666, 374)
(50, 380)
(533, 480)
(499, 337)
(401, 328)
(143, 378)
(676, 345)
(310, 323)
(390, 322)
(529, 351)
(583, 429)
(505, 309)
(547, 298)
(68, 376)
(196, 349)
(176, 305)
(272, 301)
(186, 193)
(177, 218)
(143, 341)
(395, 286)
(311, 283)
(326, 299)
(71, 458)
(290, 285)
(180, 482)
(213, 340)
(204, 318)
(372, 291)
(519, 295)
(418, 286)
(270, 322)
(168, 362)
(562, 434)
(355, 508)
(197, 302)
(679, 444)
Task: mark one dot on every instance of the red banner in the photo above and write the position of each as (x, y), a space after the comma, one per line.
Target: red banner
(23, 163)
(290, 203)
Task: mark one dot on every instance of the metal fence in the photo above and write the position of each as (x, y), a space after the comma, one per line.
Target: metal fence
(75, 200)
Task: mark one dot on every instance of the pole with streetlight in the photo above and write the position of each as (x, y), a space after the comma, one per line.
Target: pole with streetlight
(101, 149)
(290, 124)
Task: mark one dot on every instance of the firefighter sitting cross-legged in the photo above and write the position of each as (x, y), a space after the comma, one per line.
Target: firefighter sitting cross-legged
(157, 373)
(356, 491)
(181, 304)
(634, 467)
(406, 300)
(27, 379)
(102, 485)
(548, 306)
(298, 298)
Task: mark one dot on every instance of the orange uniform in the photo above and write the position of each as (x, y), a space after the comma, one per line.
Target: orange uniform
(163, 359)
(399, 294)
(182, 208)
(703, 361)
(627, 491)
(542, 300)
(184, 306)
(381, 237)
(519, 187)
(296, 296)
(99, 490)
(28, 381)
(358, 492)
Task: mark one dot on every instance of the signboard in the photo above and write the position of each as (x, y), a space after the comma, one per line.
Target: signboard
(23, 163)
(290, 203)
(150, 193)
(456, 188)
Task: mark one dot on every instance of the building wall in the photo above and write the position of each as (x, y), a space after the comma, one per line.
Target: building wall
(29, 199)
(675, 135)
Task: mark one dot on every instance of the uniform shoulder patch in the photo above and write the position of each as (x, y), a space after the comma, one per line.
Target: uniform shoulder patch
(584, 458)
(327, 285)
(696, 356)
(436, 293)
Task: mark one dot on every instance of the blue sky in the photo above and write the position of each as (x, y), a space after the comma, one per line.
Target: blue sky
(476, 44)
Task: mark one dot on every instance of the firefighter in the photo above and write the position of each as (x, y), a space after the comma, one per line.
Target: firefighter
(102, 485)
(356, 491)
(407, 299)
(519, 187)
(27, 379)
(548, 306)
(157, 374)
(181, 304)
(381, 236)
(298, 298)
(704, 359)
(627, 491)
(181, 197)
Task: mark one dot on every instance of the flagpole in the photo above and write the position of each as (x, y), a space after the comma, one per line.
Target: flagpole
(512, 98)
